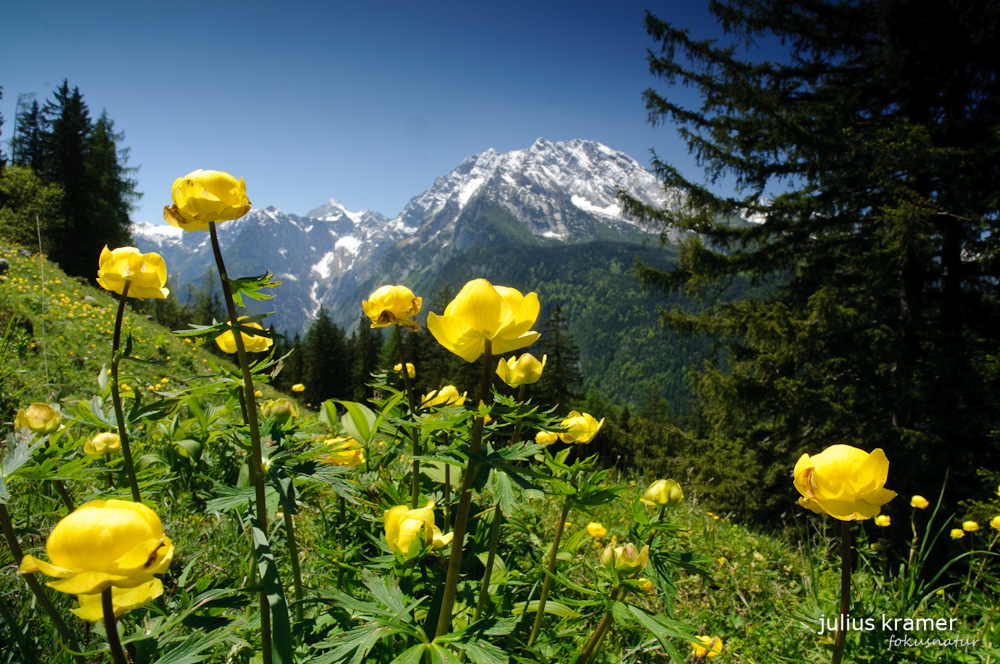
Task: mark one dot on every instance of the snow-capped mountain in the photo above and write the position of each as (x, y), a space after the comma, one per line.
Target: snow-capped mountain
(550, 193)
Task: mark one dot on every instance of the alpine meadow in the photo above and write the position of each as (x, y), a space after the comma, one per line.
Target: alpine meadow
(562, 408)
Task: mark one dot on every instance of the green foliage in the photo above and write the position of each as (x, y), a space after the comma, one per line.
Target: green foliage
(362, 602)
(28, 207)
(871, 168)
(84, 175)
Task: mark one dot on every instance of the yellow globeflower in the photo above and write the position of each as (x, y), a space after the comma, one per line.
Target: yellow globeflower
(957, 533)
(626, 559)
(253, 344)
(281, 409)
(580, 427)
(446, 396)
(298, 387)
(102, 442)
(146, 273)
(392, 305)
(522, 370)
(995, 523)
(41, 418)
(882, 520)
(707, 644)
(344, 452)
(844, 482)
(970, 526)
(663, 492)
(919, 502)
(411, 370)
(104, 544)
(596, 530)
(403, 526)
(202, 197)
(123, 599)
(546, 437)
(483, 312)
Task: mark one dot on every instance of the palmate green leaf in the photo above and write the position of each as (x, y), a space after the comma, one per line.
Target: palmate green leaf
(358, 421)
(440, 655)
(17, 456)
(353, 647)
(663, 628)
(193, 648)
(233, 498)
(251, 287)
(413, 655)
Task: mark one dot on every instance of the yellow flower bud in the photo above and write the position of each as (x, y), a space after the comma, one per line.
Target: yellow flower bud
(523, 370)
(844, 482)
(403, 526)
(919, 502)
(707, 644)
(625, 558)
(957, 533)
(146, 273)
(546, 437)
(882, 520)
(446, 396)
(41, 418)
(281, 409)
(663, 492)
(970, 526)
(995, 523)
(596, 530)
(298, 387)
(580, 427)
(392, 305)
(202, 197)
(102, 442)
(411, 370)
(104, 544)
(483, 312)
(344, 452)
(251, 343)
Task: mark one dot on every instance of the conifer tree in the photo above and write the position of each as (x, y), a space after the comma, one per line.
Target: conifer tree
(27, 143)
(867, 156)
(561, 380)
(327, 362)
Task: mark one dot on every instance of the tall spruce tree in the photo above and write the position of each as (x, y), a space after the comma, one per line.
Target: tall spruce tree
(868, 158)
(111, 189)
(64, 162)
(327, 362)
(27, 143)
(561, 380)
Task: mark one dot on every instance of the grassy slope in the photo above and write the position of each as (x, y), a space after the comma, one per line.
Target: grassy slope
(61, 338)
(762, 593)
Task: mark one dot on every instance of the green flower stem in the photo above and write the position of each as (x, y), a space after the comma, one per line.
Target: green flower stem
(484, 591)
(111, 475)
(36, 588)
(840, 642)
(256, 463)
(111, 627)
(447, 498)
(464, 503)
(516, 436)
(547, 584)
(602, 628)
(116, 398)
(414, 435)
(293, 552)
(64, 495)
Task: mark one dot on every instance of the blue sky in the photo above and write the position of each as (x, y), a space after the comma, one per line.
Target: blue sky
(367, 102)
